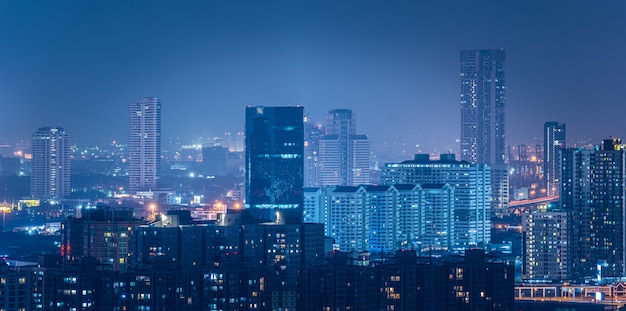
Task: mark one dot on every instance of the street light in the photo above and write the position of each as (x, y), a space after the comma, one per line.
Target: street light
(153, 209)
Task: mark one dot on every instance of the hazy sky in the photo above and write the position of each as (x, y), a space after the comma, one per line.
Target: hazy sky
(395, 63)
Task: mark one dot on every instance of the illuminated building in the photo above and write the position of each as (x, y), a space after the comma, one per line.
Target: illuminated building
(349, 219)
(144, 143)
(265, 256)
(499, 190)
(409, 216)
(472, 192)
(384, 219)
(102, 233)
(316, 206)
(312, 135)
(344, 156)
(274, 159)
(482, 106)
(482, 119)
(553, 142)
(575, 197)
(593, 192)
(18, 287)
(50, 177)
(545, 244)
(258, 266)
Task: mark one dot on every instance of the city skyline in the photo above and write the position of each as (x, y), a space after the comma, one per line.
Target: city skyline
(70, 63)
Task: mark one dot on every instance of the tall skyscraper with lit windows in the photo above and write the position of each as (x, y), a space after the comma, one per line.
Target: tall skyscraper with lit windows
(50, 177)
(553, 142)
(344, 156)
(274, 174)
(592, 191)
(482, 106)
(312, 134)
(482, 119)
(144, 143)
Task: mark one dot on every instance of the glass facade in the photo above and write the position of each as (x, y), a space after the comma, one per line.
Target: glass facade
(274, 157)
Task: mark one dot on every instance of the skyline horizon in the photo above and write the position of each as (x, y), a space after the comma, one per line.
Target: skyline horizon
(78, 65)
(378, 146)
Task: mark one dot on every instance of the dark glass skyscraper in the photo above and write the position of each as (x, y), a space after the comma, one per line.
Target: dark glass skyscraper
(274, 158)
(482, 106)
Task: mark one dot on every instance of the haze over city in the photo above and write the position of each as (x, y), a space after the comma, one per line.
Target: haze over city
(396, 64)
(312, 155)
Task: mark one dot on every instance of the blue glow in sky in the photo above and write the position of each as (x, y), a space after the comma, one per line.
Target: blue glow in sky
(395, 63)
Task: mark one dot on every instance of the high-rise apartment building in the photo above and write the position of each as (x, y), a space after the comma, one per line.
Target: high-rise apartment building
(385, 219)
(344, 156)
(546, 250)
(482, 119)
(50, 177)
(553, 142)
(593, 193)
(471, 184)
(101, 233)
(144, 143)
(482, 106)
(575, 198)
(500, 190)
(274, 158)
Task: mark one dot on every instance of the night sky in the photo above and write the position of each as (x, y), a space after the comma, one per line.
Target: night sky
(78, 64)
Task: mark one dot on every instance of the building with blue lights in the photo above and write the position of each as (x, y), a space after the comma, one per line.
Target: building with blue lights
(274, 174)
(471, 184)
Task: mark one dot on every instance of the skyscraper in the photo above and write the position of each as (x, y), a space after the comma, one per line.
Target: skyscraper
(553, 142)
(50, 178)
(482, 119)
(482, 106)
(344, 156)
(312, 134)
(274, 158)
(575, 198)
(144, 143)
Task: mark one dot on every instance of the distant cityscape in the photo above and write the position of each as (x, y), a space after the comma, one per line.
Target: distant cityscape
(294, 213)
